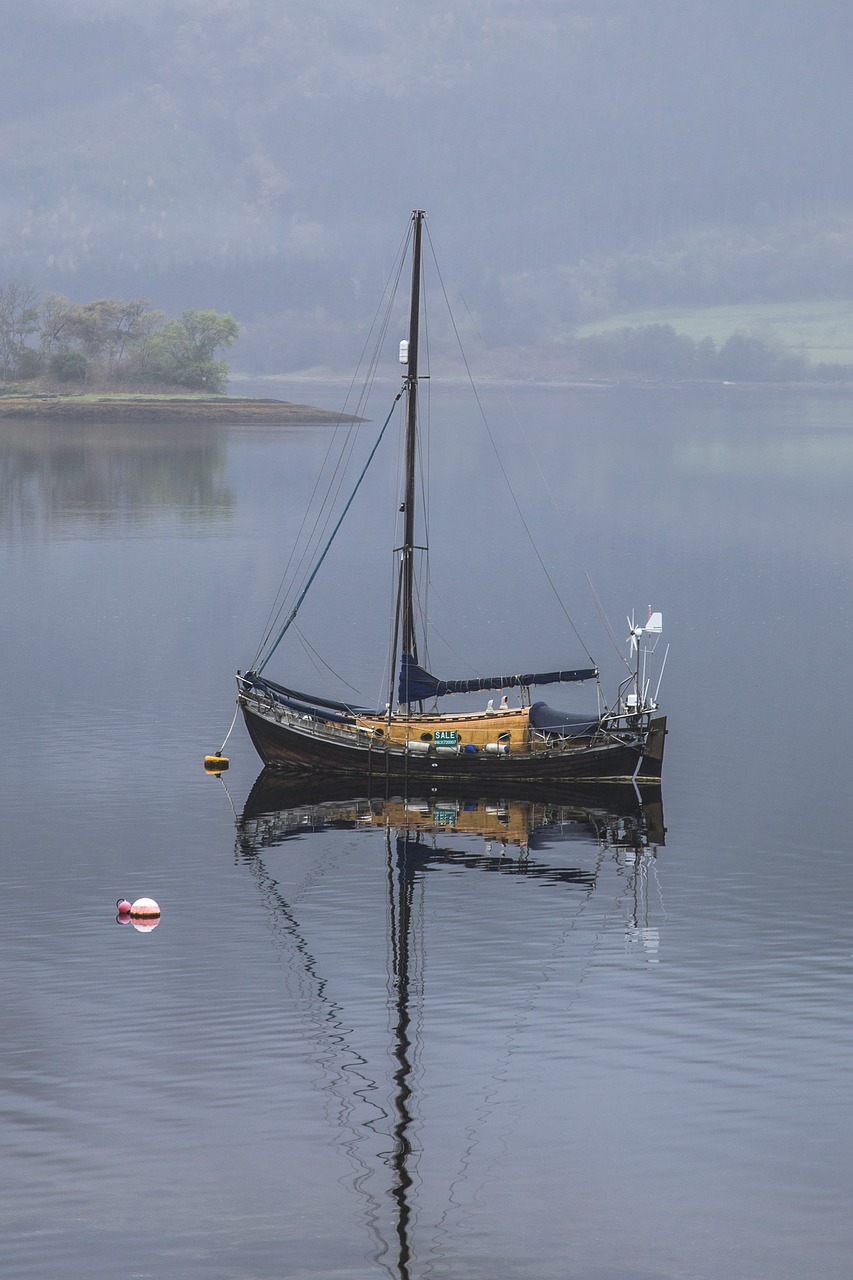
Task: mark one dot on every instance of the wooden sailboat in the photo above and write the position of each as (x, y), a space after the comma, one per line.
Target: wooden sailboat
(414, 736)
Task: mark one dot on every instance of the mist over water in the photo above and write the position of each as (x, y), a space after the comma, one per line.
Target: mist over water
(577, 160)
(529, 1040)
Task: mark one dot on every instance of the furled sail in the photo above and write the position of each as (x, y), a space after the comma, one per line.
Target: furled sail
(416, 684)
(306, 703)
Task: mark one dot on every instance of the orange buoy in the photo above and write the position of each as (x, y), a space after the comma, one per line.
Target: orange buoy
(215, 764)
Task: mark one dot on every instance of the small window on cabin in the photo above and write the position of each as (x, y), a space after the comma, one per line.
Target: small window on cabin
(426, 737)
(504, 737)
(380, 733)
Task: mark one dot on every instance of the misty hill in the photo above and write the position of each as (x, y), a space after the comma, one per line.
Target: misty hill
(576, 156)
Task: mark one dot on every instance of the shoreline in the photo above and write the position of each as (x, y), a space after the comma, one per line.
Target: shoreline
(163, 409)
(168, 409)
(570, 382)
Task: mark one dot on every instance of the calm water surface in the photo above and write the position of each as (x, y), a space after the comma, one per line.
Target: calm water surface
(527, 1039)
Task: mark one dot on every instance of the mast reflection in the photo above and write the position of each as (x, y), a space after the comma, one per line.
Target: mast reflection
(510, 834)
(400, 896)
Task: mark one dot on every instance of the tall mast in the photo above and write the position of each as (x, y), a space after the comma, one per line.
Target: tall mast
(407, 627)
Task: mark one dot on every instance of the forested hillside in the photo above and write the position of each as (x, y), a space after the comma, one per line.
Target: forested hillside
(577, 157)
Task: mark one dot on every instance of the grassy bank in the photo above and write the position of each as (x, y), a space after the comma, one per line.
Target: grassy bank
(159, 408)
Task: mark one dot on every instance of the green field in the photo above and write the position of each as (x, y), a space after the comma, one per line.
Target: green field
(822, 331)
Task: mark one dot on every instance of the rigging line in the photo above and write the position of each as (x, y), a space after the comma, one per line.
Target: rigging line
(321, 662)
(473, 661)
(503, 470)
(461, 628)
(426, 419)
(519, 425)
(385, 676)
(282, 594)
(316, 568)
(380, 329)
(422, 570)
(338, 475)
(419, 604)
(331, 1044)
(490, 1099)
(321, 524)
(336, 479)
(424, 575)
(525, 437)
(605, 621)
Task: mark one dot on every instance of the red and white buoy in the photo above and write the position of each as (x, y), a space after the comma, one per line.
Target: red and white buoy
(143, 914)
(145, 908)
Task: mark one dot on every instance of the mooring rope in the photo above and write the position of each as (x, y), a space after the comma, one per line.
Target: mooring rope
(230, 731)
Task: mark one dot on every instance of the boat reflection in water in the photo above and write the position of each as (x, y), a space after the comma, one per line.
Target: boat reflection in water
(615, 816)
(547, 836)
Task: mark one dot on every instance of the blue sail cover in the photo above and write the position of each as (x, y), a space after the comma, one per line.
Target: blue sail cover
(416, 685)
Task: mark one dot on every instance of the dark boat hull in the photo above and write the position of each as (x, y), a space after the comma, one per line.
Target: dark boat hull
(616, 758)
